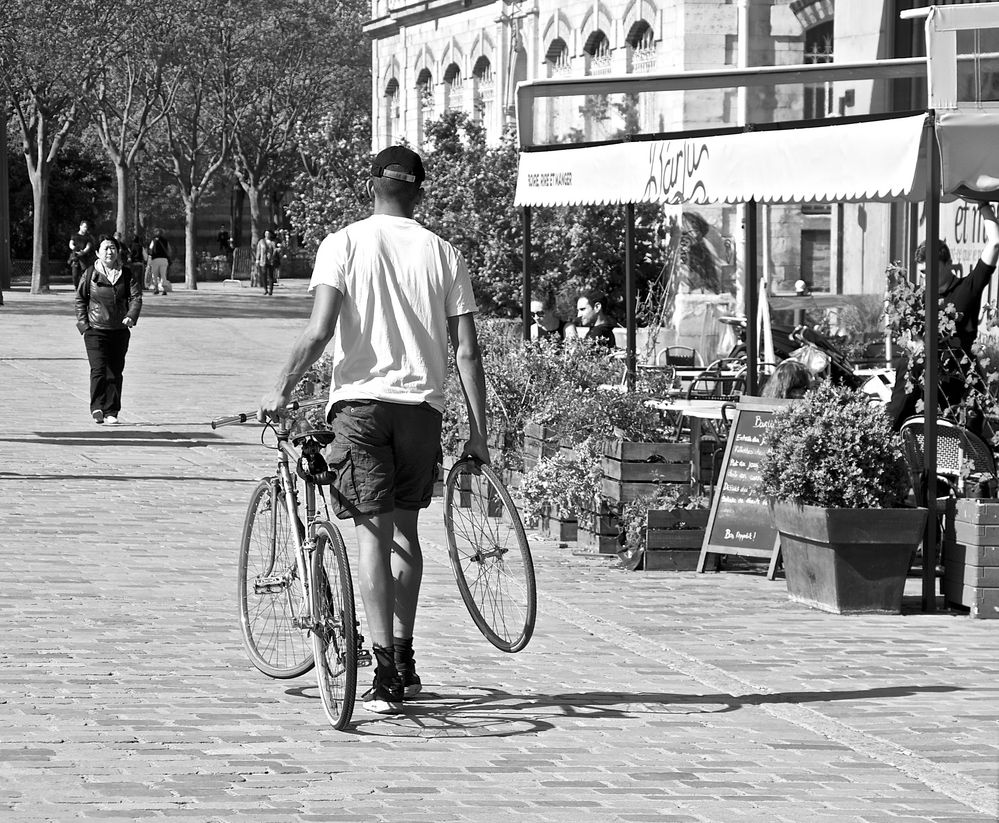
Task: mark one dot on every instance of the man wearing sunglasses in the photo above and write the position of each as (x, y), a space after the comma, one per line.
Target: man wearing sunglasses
(389, 294)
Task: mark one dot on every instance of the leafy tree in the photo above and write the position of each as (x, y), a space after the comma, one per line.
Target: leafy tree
(78, 190)
(329, 190)
(193, 143)
(469, 200)
(136, 86)
(284, 73)
(48, 50)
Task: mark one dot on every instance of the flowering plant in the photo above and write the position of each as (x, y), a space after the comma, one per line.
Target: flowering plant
(567, 481)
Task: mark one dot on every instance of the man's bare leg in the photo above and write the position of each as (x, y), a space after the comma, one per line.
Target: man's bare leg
(375, 539)
(407, 570)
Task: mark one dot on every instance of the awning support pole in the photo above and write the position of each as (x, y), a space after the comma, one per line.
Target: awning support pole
(751, 289)
(930, 405)
(630, 298)
(525, 303)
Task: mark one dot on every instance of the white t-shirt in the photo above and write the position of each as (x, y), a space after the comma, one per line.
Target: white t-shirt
(400, 282)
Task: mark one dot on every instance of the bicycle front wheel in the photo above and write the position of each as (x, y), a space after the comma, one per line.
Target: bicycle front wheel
(489, 555)
(269, 589)
(334, 635)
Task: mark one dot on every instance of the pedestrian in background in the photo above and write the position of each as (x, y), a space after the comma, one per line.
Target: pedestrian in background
(266, 251)
(137, 260)
(159, 263)
(82, 252)
(108, 302)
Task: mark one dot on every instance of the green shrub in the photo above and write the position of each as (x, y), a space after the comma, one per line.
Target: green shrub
(833, 449)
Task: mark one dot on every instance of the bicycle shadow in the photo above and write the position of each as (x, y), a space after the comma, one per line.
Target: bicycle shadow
(483, 712)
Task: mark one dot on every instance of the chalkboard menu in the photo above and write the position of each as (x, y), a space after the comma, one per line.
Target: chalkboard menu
(739, 522)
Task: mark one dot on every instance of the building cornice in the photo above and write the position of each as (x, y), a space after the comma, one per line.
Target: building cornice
(402, 13)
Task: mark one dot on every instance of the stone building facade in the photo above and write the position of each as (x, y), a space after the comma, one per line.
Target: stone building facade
(435, 55)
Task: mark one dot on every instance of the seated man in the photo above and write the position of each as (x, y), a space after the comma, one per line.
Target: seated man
(595, 324)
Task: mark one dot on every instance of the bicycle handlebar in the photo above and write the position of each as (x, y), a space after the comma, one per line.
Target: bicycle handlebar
(244, 417)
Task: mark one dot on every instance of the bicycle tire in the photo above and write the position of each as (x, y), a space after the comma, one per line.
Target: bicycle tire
(268, 588)
(489, 555)
(334, 635)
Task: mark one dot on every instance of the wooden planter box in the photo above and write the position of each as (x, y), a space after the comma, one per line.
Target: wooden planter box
(670, 548)
(633, 470)
(971, 562)
(539, 441)
(599, 530)
(559, 525)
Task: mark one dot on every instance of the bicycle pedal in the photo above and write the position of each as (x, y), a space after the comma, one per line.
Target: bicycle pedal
(363, 658)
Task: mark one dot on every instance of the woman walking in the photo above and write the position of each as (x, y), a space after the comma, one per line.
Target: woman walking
(108, 302)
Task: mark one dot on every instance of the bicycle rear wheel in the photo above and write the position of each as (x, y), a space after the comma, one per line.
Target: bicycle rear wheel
(489, 555)
(269, 589)
(334, 636)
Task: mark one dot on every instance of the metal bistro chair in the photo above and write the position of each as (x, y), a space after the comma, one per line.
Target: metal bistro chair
(958, 451)
(684, 357)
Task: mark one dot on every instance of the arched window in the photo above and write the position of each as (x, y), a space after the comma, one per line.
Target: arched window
(641, 47)
(597, 49)
(392, 112)
(425, 102)
(557, 58)
(452, 87)
(484, 91)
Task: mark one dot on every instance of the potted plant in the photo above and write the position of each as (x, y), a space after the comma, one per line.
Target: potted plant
(664, 532)
(835, 477)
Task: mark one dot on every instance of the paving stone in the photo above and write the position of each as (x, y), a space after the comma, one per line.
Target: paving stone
(680, 697)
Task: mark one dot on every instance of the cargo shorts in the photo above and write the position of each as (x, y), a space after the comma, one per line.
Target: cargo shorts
(385, 455)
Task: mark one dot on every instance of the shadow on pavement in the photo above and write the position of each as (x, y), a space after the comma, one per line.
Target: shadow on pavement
(126, 478)
(496, 713)
(122, 436)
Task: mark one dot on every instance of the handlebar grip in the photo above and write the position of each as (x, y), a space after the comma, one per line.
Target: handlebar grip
(228, 421)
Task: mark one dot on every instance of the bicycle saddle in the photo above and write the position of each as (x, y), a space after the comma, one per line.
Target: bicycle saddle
(321, 436)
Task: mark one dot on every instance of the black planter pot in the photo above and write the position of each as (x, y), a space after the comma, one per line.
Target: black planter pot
(847, 561)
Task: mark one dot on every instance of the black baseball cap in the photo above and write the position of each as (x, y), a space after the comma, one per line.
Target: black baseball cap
(406, 165)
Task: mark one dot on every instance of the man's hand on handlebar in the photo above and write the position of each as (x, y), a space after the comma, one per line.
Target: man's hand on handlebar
(272, 406)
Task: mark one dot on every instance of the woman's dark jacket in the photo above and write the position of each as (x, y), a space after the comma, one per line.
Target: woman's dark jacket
(100, 305)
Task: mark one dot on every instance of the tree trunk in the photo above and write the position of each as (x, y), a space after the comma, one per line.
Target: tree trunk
(190, 265)
(121, 223)
(253, 196)
(40, 230)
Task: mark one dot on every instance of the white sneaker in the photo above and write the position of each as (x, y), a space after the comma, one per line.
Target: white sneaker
(111, 420)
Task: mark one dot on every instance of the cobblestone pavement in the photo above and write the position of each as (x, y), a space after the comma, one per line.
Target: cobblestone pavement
(126, 694)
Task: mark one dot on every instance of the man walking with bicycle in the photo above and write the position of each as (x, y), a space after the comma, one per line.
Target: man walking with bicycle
(389, 294)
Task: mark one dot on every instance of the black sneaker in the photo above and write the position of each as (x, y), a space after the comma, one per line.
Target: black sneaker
(383, 698)
(411, 685)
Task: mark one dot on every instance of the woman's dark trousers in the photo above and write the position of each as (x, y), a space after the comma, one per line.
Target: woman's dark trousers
(106, 353)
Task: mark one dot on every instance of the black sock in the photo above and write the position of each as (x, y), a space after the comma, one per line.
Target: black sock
(402, 648)
(386, 661)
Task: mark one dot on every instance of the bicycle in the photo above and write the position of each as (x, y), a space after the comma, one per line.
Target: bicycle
(297, 580)
(295, 593)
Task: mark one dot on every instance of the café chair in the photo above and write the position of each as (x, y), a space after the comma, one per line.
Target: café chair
(684, 357)
(959, 451)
